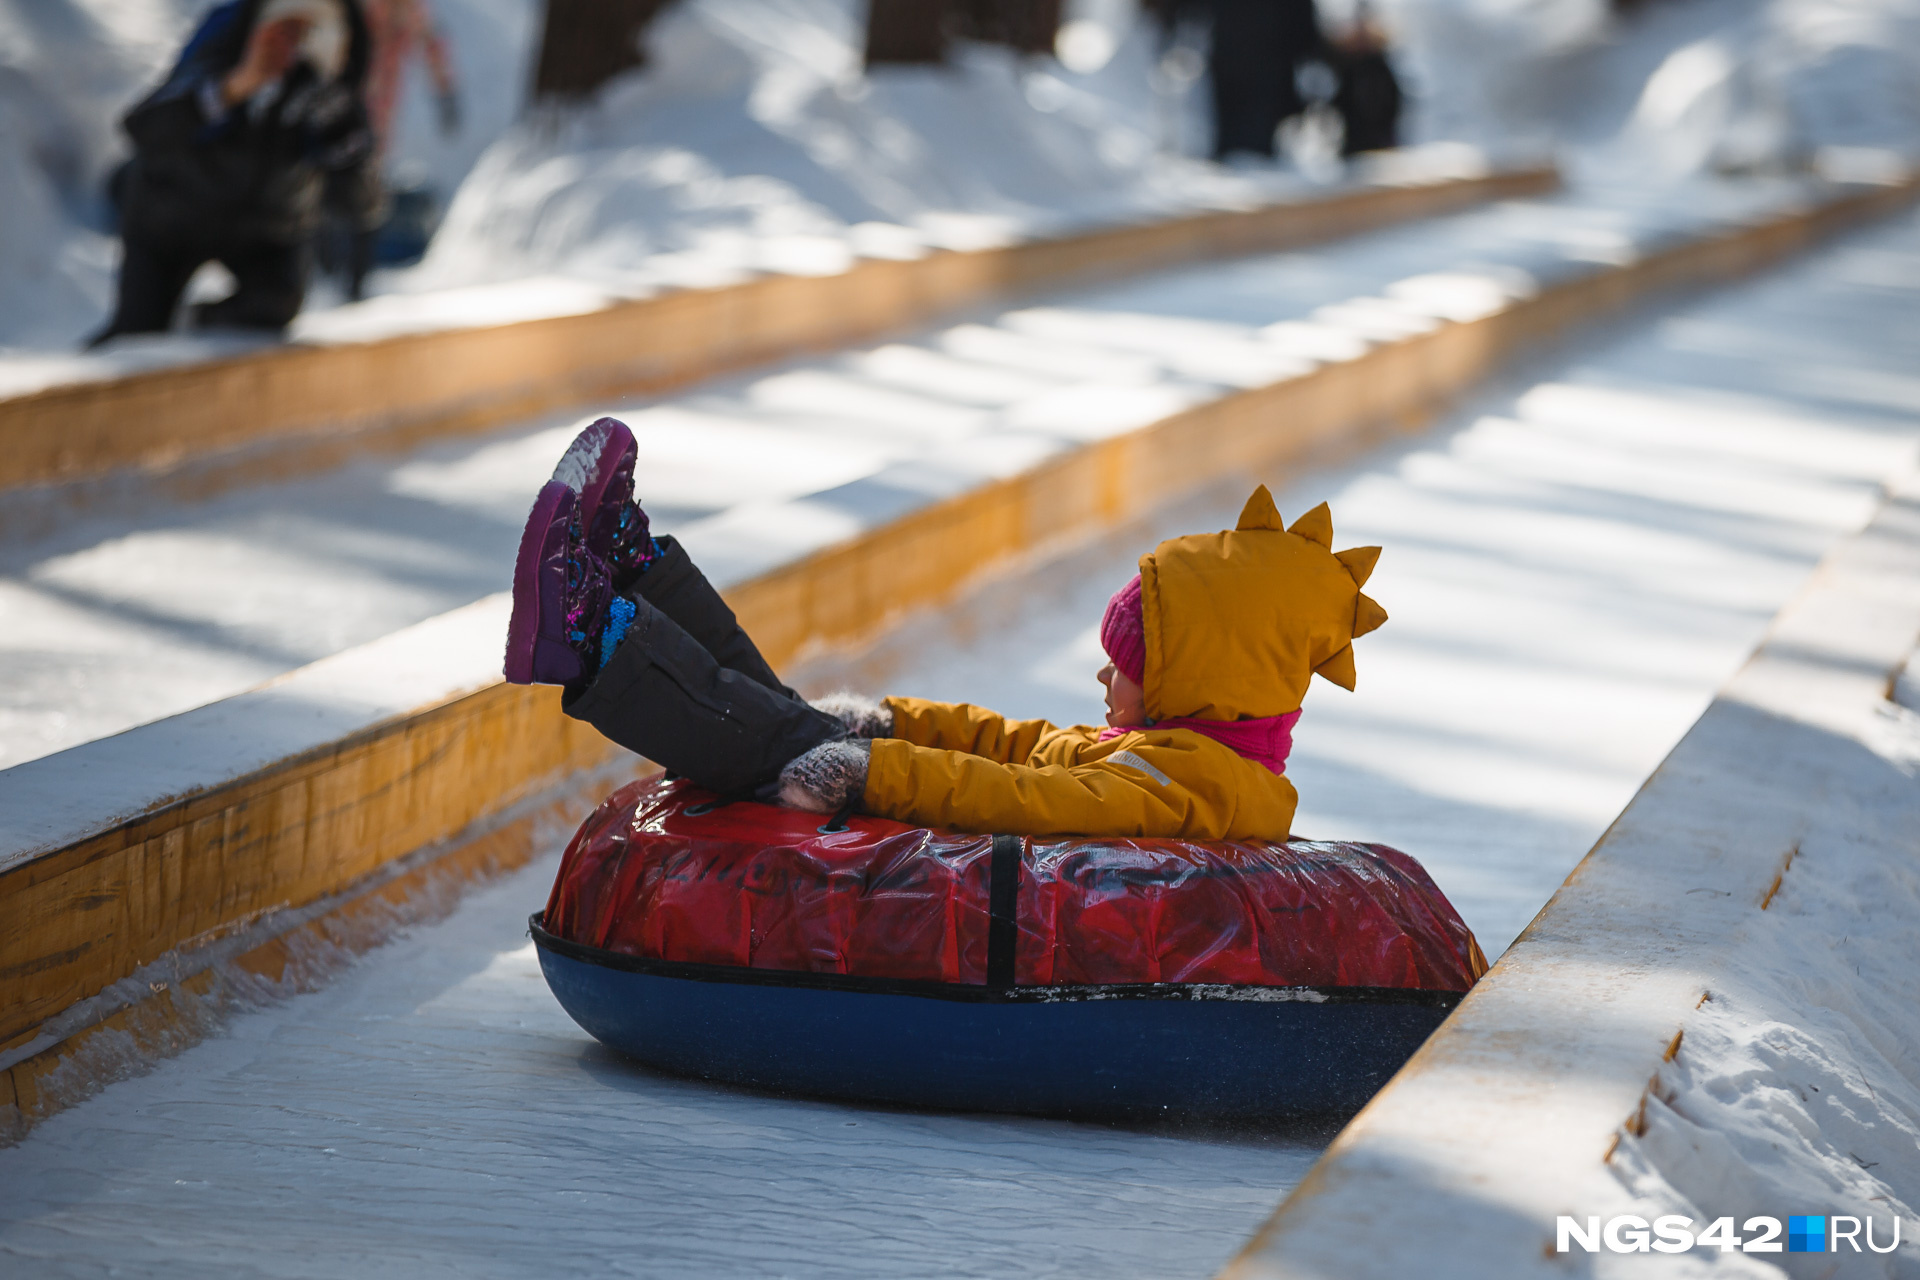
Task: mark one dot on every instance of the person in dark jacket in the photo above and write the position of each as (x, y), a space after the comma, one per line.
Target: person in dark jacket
(1369, 98)
(1256, 47)
(233, 154)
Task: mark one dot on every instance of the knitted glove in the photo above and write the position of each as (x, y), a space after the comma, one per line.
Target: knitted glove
(826, 777)
(864, 717)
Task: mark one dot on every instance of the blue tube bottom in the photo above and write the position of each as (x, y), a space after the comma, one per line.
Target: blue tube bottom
(1205, 1059)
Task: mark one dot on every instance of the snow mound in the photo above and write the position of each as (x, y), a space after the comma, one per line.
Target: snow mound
(754, 140)
(1672, 89)
(1796, 1084)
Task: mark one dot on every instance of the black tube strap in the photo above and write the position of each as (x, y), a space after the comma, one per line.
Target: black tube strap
(839, 820)
(718, 802)
(1003, 895)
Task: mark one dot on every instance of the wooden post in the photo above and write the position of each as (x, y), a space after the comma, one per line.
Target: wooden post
(586, 43)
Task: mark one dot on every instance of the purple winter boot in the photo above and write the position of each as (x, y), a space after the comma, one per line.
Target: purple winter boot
(585, 537)
(562, 596)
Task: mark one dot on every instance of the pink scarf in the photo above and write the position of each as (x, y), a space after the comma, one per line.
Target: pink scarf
(1265, 741)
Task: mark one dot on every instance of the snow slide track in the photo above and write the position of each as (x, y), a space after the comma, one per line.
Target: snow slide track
(309, 404)
(134, 853)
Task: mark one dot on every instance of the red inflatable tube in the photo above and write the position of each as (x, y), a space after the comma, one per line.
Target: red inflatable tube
(658, 873)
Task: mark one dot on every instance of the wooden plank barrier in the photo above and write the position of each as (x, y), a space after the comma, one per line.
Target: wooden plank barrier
(457, 775)
(310, 404)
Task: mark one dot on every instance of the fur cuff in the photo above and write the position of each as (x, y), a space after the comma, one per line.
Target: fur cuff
(864, 717)
(826, 777)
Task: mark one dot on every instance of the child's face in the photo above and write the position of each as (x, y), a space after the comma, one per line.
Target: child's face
(1126, 702)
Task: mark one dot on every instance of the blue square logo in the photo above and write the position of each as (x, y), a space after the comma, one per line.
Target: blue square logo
(1807, 1233)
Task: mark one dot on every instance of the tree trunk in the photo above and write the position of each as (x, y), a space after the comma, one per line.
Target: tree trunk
(586, 43)
(1027, 25)
(916, 31)
(909, 31)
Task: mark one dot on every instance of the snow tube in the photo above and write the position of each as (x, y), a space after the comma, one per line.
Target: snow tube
(1105, 977)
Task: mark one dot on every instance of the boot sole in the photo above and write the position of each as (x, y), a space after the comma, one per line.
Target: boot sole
(546, 524)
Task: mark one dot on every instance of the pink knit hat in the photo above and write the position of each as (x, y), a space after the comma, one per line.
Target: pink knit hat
(1122, 633)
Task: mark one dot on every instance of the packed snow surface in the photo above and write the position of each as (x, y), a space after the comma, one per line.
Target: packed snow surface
(434, 1113)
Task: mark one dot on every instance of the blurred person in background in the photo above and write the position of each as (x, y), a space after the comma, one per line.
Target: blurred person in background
(261, 120)
(1368, 98)
(398, 30)
(1255, 51)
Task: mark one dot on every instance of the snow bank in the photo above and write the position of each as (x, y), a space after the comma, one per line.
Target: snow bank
(754, 140)
(1777, 84)
(1670, 90)
(1487, 71)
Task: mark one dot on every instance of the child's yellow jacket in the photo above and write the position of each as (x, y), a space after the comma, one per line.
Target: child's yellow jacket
(959, 766)
(1236, 623)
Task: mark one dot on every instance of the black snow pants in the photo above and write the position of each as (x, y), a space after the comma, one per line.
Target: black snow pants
(272, 280)
(687, 689)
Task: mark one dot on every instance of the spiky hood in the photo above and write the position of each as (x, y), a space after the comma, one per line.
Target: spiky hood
(1238, 622)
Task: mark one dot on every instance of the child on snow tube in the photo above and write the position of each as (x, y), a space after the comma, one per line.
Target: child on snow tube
(1211, 648)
